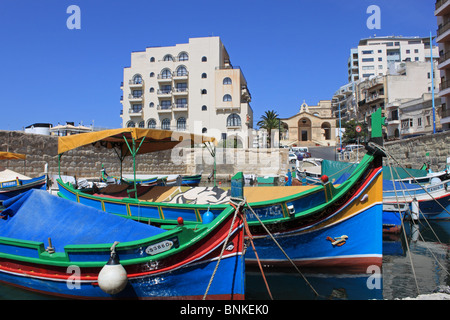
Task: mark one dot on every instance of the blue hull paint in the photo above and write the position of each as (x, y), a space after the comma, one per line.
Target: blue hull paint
(364, 242)
(189, 283)
(24, 186)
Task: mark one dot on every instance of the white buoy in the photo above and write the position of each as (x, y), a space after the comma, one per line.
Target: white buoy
(113, 277)
(415, 209)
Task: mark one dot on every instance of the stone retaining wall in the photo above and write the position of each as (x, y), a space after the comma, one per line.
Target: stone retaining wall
(87, 161)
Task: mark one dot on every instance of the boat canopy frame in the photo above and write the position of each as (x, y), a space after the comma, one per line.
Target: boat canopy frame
(131, 141)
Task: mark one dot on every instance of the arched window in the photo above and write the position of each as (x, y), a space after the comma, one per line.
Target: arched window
(181, 124)
(151, 105)
(183, 56)
(166, 74)
(204, 76)
(165, 124)
(142, 124)
(204, 59)
(131, 124)
(168, 57)
(226, 98)
(227, 80)
(233, 120)
(204, 108)
(152, 59)
(182, 71)
(137, 79)
(204, 130)
(152, 74)
(152, 90)
(204, 91)
(151, 124)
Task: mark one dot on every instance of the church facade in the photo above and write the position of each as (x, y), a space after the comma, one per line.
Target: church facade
(312, 125)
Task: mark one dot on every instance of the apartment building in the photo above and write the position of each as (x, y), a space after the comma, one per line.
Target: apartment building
(404, 82)
(373, 56)
(442, 12)
(188, 87)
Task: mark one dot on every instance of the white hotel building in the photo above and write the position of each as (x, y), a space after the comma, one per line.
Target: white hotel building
(187, 87)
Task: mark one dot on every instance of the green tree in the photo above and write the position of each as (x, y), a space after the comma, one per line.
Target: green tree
(269, 121)
(350, 134)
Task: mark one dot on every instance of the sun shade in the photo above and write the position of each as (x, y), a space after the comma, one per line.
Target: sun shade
(11, 156)
(154, 139)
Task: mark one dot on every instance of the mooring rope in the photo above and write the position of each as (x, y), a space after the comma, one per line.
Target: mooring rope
(391, 157)
(250, 236)
(404, 232)
(223, 249)
(285, 254)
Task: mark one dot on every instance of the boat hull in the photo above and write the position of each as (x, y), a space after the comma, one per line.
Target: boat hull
(184, 283)
(10, 189)
(177, 263)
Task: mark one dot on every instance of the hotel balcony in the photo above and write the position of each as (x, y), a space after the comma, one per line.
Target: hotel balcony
(443, 33)
(135, 98)
(444, 61)
(444, 88)
(245, 94)
(392, 121)
(180, 107)
(180, 76)
(164, 109)
(445, 116)
(164, 78)
(442, 8)
(180, 91)
(164, 93)
(230, 108)
(135, 112)
(374, 97)
(136, 84)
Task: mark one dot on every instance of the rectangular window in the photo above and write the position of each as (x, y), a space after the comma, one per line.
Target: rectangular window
(419, 122)
(367, 60)
(368, 67)
(367, 52)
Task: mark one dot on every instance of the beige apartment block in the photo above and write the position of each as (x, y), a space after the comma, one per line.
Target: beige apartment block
(188, 87)
(442, 12)
(404, 82)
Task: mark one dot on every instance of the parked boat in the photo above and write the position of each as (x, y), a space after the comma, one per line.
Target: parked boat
(12, 183)
(433, 199)
(58, 247)
(322, 225)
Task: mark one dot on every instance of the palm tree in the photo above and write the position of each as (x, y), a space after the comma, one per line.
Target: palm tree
(269, 121)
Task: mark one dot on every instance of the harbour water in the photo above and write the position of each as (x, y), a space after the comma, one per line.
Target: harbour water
(418, 265)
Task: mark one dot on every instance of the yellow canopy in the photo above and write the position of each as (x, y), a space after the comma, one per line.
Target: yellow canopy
(154, 139)
(11, 156)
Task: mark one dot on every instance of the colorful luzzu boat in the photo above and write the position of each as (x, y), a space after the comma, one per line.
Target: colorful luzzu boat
(57, 247)
(316, 226)
(12, 186)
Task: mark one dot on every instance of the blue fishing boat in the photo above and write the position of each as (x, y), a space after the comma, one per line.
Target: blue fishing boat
(318, 226)
(433, 199)
(57, 247)
(11, 185)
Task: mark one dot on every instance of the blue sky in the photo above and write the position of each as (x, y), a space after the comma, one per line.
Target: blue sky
(289, 50)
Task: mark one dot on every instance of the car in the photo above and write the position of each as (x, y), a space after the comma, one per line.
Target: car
(303, 154)
(353, 147)
(292, 157)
